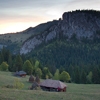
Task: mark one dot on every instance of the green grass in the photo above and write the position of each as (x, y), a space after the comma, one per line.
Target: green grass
(74, 91)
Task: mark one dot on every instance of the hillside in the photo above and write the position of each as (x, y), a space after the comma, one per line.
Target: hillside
(74, 91)
(84, 24)
(15, 40)
(73, 40)
(78, 24)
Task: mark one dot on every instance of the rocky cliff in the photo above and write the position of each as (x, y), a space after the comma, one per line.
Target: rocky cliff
(81, 24)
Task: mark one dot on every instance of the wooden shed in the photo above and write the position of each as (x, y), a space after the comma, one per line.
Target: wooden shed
(20, 73)
(53, 85)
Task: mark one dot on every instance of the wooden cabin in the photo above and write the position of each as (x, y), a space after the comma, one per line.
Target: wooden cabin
(20, 73)
(53, 85)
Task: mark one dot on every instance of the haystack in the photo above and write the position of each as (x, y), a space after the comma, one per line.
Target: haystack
(31, 78)
(34, 85)
(37, 79)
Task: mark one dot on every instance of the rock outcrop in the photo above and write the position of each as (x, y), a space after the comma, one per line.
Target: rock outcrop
(81, 23)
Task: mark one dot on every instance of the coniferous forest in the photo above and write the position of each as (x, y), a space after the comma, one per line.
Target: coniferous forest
(79, 60)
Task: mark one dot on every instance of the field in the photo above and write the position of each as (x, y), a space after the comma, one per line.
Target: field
(74, 91)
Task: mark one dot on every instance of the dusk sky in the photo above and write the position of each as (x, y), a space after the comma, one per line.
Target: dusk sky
(17, 15)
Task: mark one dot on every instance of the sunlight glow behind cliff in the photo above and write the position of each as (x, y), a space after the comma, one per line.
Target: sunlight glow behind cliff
(17, 15)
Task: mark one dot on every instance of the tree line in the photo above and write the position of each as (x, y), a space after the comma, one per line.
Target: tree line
(15, 63)
(61, 60)
(81, 59)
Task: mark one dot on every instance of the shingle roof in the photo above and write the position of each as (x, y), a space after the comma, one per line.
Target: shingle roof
(53, 84)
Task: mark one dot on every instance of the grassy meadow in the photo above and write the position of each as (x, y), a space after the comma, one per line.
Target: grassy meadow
(74, 91)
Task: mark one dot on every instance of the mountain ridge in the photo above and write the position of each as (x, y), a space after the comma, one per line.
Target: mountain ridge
(79, 24)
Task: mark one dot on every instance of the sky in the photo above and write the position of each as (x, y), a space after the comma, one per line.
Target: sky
(18, 15)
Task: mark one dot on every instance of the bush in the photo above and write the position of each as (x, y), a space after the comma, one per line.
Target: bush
(64, 76)
(18, 84)
(4, 66)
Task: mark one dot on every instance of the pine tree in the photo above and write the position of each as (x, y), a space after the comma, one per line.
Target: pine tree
(10, 62)
(18, 63)
(96, 75)
(77, 75)
(46, 73)
(57, 75)
(89, 77)
(1, 57)
(83, 77)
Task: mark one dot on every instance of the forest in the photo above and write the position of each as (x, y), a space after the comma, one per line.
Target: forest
(80, 60)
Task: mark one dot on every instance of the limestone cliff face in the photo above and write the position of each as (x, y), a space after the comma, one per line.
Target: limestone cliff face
(81, 23)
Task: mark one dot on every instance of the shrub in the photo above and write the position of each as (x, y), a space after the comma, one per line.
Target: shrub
(18, 84)
(4, 66)
(64, 76)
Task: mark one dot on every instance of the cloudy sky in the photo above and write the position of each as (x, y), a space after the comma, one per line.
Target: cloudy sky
(17, 15)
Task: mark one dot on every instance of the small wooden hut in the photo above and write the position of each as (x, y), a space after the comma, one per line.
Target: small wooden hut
(20, 73)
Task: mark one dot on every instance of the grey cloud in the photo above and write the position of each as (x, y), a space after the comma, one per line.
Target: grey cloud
(25, 8)
(84, 1)
(83, 4)
(29, 3)
(13, 8)
(16, 4)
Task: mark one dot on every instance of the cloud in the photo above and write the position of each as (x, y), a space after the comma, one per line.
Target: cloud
(30, 3)
(14, 3)
(15, 9)
(38, 11)
(82, 4)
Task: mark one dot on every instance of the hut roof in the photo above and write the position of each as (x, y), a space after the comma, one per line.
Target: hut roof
(53, 84)
(21, 72)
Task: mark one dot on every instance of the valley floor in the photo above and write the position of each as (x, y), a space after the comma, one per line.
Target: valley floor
(74, 91)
